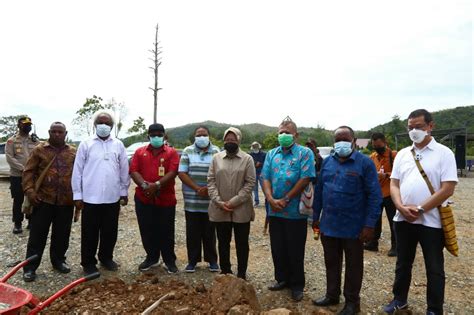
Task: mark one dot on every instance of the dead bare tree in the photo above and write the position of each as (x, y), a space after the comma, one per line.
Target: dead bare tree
(156, 63)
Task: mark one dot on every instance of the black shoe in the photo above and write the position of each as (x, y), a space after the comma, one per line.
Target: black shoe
(325, 301)
(350, 309)
(392, 252)
(17, 229)
(226, 272)
(372, 246)
(109, 265)
(62, 267)
(242, 276)
(147, 265)
(296, 295)
(29, 276)
(88, 270)
(171, 268)
(278, 286)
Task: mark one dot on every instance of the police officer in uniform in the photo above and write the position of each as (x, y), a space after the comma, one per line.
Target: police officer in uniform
(17, 151)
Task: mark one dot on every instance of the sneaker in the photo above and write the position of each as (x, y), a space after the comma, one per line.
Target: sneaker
(90, 269)
(147, 264)
(109, 265)
(213, 267)
(392, 252)
(29, 276)
(17, 229)
(256, 204)
(395, 305)
(171, 268)
(190, 268)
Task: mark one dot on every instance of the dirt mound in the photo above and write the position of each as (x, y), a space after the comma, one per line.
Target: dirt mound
(228, 294)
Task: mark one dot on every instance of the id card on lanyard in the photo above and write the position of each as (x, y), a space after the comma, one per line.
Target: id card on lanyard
(161, 168)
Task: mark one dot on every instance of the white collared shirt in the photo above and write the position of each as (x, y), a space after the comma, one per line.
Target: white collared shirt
(100, 173)
(439, 164)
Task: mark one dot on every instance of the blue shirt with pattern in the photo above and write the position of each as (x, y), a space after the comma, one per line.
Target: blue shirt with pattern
(195, 162)
(347, 197)
(284, 169)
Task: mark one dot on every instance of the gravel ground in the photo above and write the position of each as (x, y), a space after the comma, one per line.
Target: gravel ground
(378, 276)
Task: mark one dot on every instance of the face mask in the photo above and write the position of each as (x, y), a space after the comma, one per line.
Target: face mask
(157, 142)
(103, 130)
(285, 140)
(380, 150)
(26, 128)
(343, 148)
(255, 150)
(417, 135)
(231, 147)
(201, 142)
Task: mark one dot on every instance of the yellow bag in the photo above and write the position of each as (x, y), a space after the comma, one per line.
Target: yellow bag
(449, 229)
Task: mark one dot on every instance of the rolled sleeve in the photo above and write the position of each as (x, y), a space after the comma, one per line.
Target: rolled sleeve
(184, 163)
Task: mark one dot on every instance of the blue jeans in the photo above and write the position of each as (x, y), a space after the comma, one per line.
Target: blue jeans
(432, 243)
(255, 192)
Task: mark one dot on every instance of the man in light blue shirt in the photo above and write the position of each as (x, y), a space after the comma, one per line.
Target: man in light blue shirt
(287, 170)
(99, 180)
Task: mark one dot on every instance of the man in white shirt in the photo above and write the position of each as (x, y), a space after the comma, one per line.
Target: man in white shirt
(417, 219)
(100, 183)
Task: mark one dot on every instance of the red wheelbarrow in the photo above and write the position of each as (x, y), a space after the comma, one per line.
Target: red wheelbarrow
(12, 299)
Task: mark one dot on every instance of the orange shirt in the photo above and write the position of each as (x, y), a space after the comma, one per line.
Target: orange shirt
(384, 160)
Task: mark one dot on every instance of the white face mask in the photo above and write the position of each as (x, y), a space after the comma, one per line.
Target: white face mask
(417, 135)
(103, 130)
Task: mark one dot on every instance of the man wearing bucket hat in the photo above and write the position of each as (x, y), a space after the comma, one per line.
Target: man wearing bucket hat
(17, 150)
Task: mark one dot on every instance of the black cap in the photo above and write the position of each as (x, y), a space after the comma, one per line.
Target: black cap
(156, 127)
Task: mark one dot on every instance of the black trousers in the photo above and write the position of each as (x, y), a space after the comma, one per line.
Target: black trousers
(353, 250)
(432, 244)
(288, 240)
(18, 197)
(390, 210)
(99, 227)
(44, 216)
(224, 236)
(200, 233)
(157, 231)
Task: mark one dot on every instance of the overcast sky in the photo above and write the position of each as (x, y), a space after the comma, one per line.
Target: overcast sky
(356, 63)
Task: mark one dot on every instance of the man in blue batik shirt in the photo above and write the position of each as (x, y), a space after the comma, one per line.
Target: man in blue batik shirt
(286, 172)
(349, 196)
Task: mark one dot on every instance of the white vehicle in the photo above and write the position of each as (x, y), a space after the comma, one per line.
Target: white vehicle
(4, 167)
(133, 147)
(325, 151)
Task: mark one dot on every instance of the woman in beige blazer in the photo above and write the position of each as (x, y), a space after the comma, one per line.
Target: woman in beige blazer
(230, 182)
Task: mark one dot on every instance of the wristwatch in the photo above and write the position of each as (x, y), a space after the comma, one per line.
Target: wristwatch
(144, 185)
(158, 184)
(287, 199)
(420, 210)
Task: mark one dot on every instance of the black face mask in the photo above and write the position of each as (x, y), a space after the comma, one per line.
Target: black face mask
(231, 147)
(26, 128)
(380, 150)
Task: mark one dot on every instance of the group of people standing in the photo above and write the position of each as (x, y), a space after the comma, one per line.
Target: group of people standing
(350, 191)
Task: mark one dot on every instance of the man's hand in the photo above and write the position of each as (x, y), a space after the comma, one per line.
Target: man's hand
(79, 204)
(77, 214)
(202, 191)
(258, 164)
(274, 205)
(124, 200)
(367, 234)
(315, 225)
(33, 197)
(410, 213)
(151, 190)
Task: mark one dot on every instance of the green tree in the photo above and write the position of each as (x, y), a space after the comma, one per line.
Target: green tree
(270, 141)
(138, 126)
(120, 111)
(8, 126)
(85, 113)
